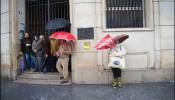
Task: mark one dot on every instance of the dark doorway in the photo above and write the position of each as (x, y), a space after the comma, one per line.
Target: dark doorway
(39, 12)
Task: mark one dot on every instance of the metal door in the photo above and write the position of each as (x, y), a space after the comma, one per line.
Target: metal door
(39, 12)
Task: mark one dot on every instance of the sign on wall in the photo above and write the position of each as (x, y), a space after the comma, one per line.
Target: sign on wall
(86, 45)
(85, 33)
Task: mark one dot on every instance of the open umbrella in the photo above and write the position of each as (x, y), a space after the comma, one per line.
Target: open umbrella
(105, 43)
(57, 23)
(120, 38)
(63, 35)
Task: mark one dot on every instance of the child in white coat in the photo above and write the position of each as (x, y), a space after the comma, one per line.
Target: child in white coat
(117, 62)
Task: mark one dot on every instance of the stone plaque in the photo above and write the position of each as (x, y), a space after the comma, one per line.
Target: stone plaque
(85, 33)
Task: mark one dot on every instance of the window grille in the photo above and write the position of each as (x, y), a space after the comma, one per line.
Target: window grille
(125, 14)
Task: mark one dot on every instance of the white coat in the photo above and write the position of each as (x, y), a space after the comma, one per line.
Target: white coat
(117, 57)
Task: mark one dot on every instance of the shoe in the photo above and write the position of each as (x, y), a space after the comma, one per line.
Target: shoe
(64, 81)
(114, 87)
(44, 70)
(36, 70)
(61, 77)
(31, 69)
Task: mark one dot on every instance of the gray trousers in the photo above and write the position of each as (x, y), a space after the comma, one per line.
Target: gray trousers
(40, 61)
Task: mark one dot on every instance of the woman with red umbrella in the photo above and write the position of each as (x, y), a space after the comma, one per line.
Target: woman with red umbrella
(64, 52)
(117, 59)
(62, 63)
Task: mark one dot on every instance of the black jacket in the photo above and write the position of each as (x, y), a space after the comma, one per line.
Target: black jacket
(26, 45)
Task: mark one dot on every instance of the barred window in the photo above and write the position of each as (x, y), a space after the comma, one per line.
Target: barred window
(125, 14)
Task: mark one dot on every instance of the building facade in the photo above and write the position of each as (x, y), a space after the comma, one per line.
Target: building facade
(150, 47)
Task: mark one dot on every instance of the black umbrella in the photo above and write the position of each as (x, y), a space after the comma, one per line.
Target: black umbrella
(57, 23)
(121, 38)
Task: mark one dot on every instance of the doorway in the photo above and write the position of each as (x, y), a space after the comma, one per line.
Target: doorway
(39, 12)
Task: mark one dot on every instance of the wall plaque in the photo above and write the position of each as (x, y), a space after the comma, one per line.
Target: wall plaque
(85, 33)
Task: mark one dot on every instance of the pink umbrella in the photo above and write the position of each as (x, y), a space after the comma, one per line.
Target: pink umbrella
(106, 43)
(63, 35)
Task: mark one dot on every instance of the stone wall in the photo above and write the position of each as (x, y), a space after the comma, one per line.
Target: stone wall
(5, 38)
(150, 51)
(11, 22)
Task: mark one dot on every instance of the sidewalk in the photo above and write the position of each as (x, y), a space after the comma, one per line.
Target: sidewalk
(146, 91)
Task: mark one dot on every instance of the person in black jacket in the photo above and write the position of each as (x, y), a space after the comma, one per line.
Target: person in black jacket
(47, 65)
(27, 50)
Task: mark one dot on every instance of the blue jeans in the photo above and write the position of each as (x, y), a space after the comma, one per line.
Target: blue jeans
(34, 62)
(30, 61)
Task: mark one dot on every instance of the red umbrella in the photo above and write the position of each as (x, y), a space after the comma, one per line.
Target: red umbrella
(105, 43)
(120, 38)
(63, 35)
(52, 36)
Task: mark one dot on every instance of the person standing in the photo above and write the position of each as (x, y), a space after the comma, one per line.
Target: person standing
(47, 65)
(62, 63)
(34, 48)
(40, 53)
(34, 44)
(27, 50)
(117, 63)
(54, 48)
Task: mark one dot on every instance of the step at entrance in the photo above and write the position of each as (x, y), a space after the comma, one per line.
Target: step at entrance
(41, 78)
(37, 75)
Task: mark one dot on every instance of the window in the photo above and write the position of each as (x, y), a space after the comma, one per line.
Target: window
(125, 14)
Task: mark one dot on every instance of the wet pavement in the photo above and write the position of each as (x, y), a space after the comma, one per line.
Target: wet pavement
(144, 91)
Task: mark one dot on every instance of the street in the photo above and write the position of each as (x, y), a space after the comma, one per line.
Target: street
(137, 91)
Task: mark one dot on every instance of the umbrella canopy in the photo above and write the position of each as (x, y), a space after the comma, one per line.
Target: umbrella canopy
(120, 38)
(63, 35)
(52, 36)
(57, 23)
(105, 43)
